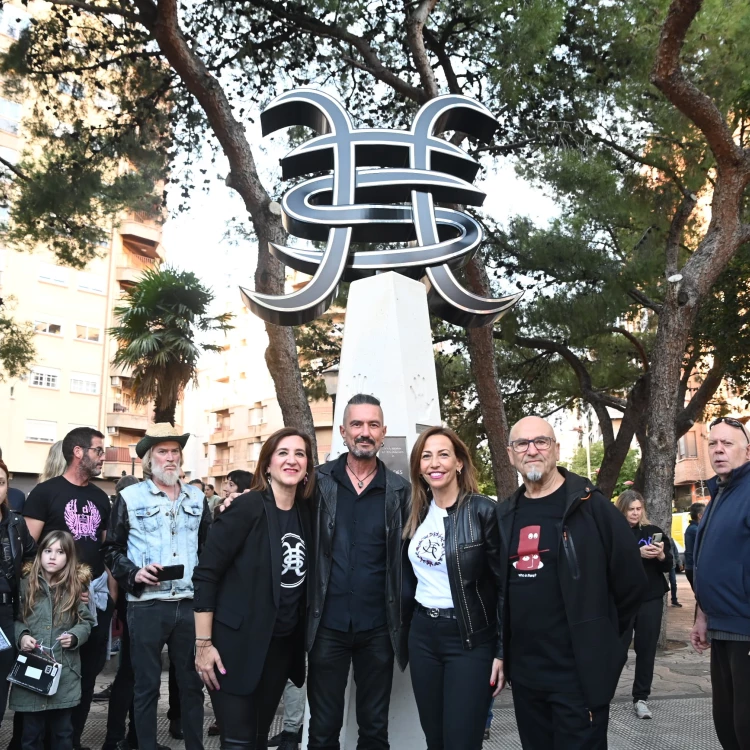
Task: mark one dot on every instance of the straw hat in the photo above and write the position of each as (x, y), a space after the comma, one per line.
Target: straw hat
(161, 432)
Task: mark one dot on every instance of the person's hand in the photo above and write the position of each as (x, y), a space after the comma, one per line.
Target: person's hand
(28, 643)
(659, 546)
(206, 659)
(699, 634)
(66, 640)
(497, 678)
(85, 596)
(228, 501)
(147, 575)
(649, 551)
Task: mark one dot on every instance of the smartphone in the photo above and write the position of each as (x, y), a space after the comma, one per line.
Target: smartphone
(656, 538)
(170, 573)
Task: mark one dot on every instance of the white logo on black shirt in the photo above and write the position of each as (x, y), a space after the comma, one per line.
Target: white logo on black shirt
(293, 561)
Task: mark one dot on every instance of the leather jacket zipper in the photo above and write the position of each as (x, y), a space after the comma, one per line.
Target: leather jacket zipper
(465, 611)
(570, 554)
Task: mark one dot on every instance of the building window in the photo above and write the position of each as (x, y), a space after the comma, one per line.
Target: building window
(52, 274)
(40, 431)
(45, 377)
(10, 116)
(253, 451)
(47, 326)
(82, 383)
(687, 446)
(88, 333)
(90, 282)
(257, 415)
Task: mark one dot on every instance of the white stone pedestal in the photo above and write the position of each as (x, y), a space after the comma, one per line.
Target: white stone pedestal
(387, 353)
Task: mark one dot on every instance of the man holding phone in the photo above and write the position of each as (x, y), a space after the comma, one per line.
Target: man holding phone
(155, 533)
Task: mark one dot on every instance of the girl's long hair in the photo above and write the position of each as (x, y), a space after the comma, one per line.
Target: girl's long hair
(55, 464)
(626, 499)
(420, 491)
(66, 586)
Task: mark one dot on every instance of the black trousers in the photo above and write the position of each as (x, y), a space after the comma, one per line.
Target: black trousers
(371, 654)
(647, 627)
(730, 683)
(93, 659)
(153, 623)
(451, 684)
(689, 576)
(558, 721)
(56, 723)
(8, 656)
(245, 720)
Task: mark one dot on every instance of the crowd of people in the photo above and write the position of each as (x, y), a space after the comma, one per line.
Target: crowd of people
(298, 574)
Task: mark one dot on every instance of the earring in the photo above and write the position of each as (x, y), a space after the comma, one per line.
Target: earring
(458, 471)
(268, 477)
(304, 481)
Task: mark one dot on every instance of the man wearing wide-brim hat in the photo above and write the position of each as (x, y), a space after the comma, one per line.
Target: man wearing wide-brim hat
(156, 525)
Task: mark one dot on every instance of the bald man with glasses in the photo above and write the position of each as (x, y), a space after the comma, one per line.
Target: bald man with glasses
(574, 581)
(721, 575)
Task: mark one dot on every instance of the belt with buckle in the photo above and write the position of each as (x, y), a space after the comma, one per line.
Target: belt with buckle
(434, 612)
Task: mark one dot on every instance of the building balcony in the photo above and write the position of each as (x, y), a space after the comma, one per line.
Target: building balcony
(219, 468)
(117, 460)
(127, 420)
(220, 436)
(143, 229)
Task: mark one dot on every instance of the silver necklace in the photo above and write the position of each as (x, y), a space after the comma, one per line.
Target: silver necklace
(361, 482)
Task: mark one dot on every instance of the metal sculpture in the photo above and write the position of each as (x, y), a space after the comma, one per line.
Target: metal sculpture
(369, 171)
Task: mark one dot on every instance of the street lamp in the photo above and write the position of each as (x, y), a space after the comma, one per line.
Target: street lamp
(133, 456)
(331, 379)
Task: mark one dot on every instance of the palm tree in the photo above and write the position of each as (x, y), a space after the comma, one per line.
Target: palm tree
(159, 321)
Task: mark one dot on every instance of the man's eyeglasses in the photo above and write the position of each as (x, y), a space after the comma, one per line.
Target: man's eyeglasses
(732, 423)
(540, 443)
(99, 451)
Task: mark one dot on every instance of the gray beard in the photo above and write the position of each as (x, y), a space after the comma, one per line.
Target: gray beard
(534, 475)
(168, 479)
(359, 450)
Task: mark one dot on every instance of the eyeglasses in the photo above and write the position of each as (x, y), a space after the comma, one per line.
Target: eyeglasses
(732, 423)
(99, 451)
(540, 443)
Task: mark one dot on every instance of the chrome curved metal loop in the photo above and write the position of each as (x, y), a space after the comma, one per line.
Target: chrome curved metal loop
(370, 171)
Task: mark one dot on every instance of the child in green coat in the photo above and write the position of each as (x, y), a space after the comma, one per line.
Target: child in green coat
(51, 614)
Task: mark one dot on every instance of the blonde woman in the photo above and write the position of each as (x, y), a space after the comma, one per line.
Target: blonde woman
(454, 550)
(55, 464)
(656, 555)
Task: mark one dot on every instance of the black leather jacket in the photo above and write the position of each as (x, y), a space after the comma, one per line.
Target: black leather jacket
(475, 571)
(397, 508)
(18, 546)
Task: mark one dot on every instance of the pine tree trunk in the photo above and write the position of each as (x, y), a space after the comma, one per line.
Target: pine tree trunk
(484, 369)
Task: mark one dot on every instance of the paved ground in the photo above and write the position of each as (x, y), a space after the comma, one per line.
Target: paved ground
(681, 701)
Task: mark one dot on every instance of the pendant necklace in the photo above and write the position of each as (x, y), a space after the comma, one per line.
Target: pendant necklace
(361, 482)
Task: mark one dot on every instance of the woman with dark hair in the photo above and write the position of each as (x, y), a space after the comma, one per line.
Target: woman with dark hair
(656, 556)
(18, 546)
(250, 593)
(237, 482)
(454, 551)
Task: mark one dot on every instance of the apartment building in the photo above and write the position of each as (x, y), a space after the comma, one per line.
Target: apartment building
(71, 383)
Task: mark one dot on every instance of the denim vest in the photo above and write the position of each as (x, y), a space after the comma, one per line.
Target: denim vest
(164, 532)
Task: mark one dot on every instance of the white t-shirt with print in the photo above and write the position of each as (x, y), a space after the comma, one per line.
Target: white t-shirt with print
(427, 557)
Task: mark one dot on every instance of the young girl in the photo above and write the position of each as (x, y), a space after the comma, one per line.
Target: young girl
(52, 615)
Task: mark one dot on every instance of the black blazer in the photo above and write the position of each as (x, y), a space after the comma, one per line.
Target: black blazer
(238, 576)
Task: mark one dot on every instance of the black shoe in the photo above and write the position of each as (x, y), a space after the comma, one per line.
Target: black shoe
(676, 604)
(103, 695)
(213, 730)
(279, 739)
(175, 729)
(131, 742)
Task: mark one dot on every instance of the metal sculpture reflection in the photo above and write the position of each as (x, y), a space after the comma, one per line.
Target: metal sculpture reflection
(370, 169)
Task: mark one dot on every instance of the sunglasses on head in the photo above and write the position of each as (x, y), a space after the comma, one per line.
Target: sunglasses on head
(732, 423)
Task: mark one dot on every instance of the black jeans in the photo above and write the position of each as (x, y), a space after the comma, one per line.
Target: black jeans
(558, 721)
(451, 684)
(730, 683)
(57, 723)
(93, 659)
(371, 654)
(647, 627)
(8, 656)
(245, 720)
(153, 623)
(689, 576)
(174, 713)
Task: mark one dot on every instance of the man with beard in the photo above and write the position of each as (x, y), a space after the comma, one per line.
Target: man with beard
(155, 533)
(355, 615)
(574, 583)
(71, 502)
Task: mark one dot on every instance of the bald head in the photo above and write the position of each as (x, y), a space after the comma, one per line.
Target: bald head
(531, 427)
(534, 452)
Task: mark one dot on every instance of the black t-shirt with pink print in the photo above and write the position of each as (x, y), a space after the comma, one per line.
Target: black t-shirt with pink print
(83, 511)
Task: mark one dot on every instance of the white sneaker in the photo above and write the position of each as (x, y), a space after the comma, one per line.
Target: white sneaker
(642, 710)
